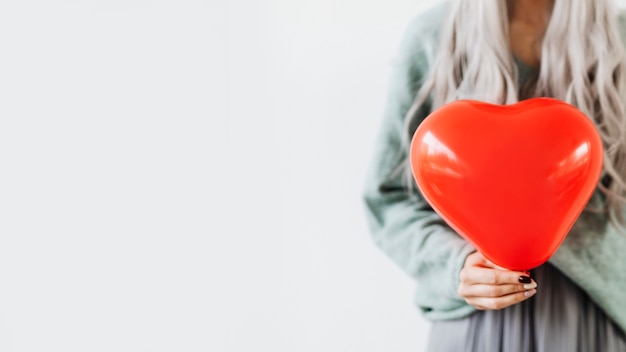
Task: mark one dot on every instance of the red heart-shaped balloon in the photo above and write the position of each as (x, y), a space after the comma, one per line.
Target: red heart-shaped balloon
(510, 179)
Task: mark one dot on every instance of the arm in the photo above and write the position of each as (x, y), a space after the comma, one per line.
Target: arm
(403, 225)
(453, 278)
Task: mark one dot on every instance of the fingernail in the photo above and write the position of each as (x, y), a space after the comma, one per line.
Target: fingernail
(530, 285)
(524, 279)
(529, 293)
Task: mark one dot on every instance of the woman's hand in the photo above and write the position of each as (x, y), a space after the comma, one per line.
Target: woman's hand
(488, 286)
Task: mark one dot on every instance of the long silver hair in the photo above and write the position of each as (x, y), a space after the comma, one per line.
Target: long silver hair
(582, 63)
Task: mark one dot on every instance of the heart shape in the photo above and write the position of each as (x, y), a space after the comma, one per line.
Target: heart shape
(513, 179)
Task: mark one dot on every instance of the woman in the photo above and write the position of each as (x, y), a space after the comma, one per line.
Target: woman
(502, 52)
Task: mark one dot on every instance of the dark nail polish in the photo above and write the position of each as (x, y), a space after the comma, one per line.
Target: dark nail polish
(524, 279)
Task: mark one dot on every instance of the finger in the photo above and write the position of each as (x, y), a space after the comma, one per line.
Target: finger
(489, 264)
(479, 275)
(494, 265)
(488, 303)
(476, 259)
(480, 290)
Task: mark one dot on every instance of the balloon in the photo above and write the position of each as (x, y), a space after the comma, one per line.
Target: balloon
(513, 179)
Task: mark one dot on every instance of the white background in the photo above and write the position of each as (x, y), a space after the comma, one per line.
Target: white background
(185, 175)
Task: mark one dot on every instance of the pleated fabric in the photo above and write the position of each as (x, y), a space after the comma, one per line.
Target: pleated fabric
(560, 317)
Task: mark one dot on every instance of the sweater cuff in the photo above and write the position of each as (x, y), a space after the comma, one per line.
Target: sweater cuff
(438, 298)
(457, 264)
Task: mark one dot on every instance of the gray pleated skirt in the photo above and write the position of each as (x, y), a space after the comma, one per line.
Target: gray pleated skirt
(560, 317)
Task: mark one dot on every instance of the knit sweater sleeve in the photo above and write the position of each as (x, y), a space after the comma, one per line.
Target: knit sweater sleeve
(401, 222)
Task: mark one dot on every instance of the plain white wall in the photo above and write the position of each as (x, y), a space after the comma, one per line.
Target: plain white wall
(186, 176)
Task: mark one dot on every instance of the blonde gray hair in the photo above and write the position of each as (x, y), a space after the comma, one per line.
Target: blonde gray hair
(582, 63)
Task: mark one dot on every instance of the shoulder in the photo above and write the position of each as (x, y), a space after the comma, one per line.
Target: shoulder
(419, 41)
(429, 22)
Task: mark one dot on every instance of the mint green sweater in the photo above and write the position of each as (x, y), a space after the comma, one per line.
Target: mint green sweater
(404, 226)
